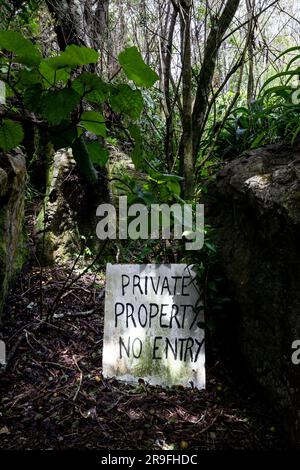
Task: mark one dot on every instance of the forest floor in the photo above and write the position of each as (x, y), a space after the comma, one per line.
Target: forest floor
(53, 395)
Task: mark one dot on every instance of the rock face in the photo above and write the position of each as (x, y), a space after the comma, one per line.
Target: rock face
(254, 204)
(70, 204)
(12, 242)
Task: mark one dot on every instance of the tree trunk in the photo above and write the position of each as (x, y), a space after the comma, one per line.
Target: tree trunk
(187, 136)
(207, 69)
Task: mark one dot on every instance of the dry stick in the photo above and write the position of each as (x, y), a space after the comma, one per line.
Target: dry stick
(67, 286)
(41, 264)
(234, 100)
(80, 378)
(59, 294)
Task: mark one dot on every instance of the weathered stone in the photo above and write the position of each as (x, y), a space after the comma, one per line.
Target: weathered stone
(12, 243)
(254, 204)
(70, 207)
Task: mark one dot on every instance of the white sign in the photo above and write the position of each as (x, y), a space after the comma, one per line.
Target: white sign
(154, 325)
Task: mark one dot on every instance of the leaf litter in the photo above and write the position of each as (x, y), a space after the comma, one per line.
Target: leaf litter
(53, 394)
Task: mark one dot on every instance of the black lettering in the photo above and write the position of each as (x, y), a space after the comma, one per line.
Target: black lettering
(199, 348)
(124, 285)
(140, 347)
(184, 313)
(188, 347)
(136, 283)
(130, 314)
(175, 283)
(174, 315)
(169, 345)
(182, 341)
(151, 315)
(122, 344)
(146, 315)
(184, 285)
(196, 312)
(155, 288)
(165, 285)
(162, 314)
(120, 313)
(156, 347)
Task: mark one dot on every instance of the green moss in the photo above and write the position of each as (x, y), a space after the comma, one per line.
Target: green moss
(292, 204)
(9, 273)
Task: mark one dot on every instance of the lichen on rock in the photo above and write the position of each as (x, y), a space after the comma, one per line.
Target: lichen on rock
(12, 234)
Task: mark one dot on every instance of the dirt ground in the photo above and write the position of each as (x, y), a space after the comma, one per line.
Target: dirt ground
(53, 395)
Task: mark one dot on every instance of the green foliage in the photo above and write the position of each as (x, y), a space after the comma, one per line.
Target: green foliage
(25, 51)
(93, 122)
(56, 106)
(125, 100)
(73, 56)
(11, 134)
(91, 87)
(67, 108)
(135, 69)
(98, 154)
(273, 116)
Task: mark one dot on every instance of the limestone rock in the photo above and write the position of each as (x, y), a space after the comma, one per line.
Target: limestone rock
(70, 205)
(254, 204)
(12, 240)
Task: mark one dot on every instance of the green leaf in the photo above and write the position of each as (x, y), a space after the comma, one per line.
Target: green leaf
(52, 76)
(32, 97)
(138, 151)
(280, 90)
(26, 52)
(98, 154)
(93, 122)
(135, 68)
(73, 56)
(11, 134)
(83, 160)
(279, 75)
(126, 100)
(27, 78)
(174, 187)
(63, 135)
(287, 51)
(56, 106)
(91, 86)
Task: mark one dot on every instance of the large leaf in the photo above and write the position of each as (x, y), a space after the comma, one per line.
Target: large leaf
(91, 86)
(98, 154)
(73, 56)
(56, 106)
(52, 76)
(126, 100)
(289, 74)
(25, 51)
(63, 135)
(137, 153)
(136, 69)
(32, 97)
(11, 134)
(287, 51)
(93, 122)
(27, 79)
(83, 160)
